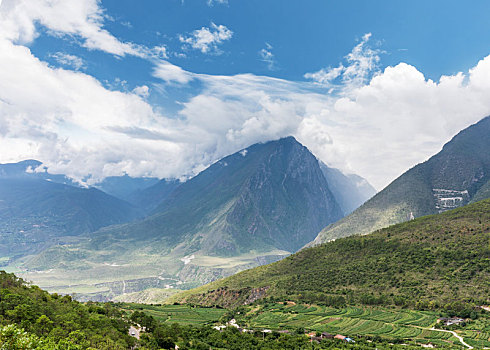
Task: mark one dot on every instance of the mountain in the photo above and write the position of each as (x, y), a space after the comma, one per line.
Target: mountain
(250, 208)
(148, 198)
(32, 169)
(431, 262)
(350, 191)
(124, 187)
(268, 196)
(144, 192)
(35, 213)
(451, 178)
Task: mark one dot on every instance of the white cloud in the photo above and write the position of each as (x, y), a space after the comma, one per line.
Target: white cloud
(221, 2)
(143, 91)
(160, 52)
(207, 39)
(267, 56)
(68, 60)
(360, 65)
(83, 19)
(171, 73)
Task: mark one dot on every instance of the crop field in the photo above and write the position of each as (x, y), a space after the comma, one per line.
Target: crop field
(183, 314)
(366, 321)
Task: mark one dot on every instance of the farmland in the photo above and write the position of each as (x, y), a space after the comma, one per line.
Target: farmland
(183, 314)
(397, 325)
(386, 323)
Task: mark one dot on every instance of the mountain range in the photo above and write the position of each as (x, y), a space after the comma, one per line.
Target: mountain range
(250, 208)
(39, 209)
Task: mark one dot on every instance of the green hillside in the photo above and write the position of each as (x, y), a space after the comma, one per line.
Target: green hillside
(435, 261)
(449, 179)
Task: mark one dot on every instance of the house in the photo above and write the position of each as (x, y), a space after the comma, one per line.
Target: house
(450, 321)
(340, 336)
(311, 334)
(285, 331)
(326, 335)
(317, 339)
(349, 340)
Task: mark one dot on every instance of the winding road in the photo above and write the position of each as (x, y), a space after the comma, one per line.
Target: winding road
(455, 334)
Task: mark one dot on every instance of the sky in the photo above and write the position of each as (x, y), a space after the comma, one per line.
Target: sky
(166, 87)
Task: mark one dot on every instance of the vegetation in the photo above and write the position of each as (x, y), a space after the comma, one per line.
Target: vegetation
(32, 318)
(182, 314)
(433, 262)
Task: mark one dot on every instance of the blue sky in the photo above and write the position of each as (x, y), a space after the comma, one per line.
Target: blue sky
(189, 81)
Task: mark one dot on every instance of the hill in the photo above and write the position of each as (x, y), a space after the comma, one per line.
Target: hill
(447, 180)
(32, 319)
(431, 262)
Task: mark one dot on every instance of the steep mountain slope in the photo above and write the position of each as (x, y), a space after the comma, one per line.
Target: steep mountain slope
(350, 191)
(33, 212)
(449, 179)
(431, 261)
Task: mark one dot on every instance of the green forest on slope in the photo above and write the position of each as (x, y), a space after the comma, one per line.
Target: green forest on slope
(437, 261)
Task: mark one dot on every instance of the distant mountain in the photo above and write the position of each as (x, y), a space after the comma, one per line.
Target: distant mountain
(149, 198)
(124, 187)
(450, 179)
(144, 192)
(438, 261)
(32, 169)
(34, 212)
(350, 191)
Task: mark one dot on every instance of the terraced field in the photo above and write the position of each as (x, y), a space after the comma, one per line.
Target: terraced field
(182, 314)
(353, 321)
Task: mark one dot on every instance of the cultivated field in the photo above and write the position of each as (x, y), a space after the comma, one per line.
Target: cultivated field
(183, 314)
